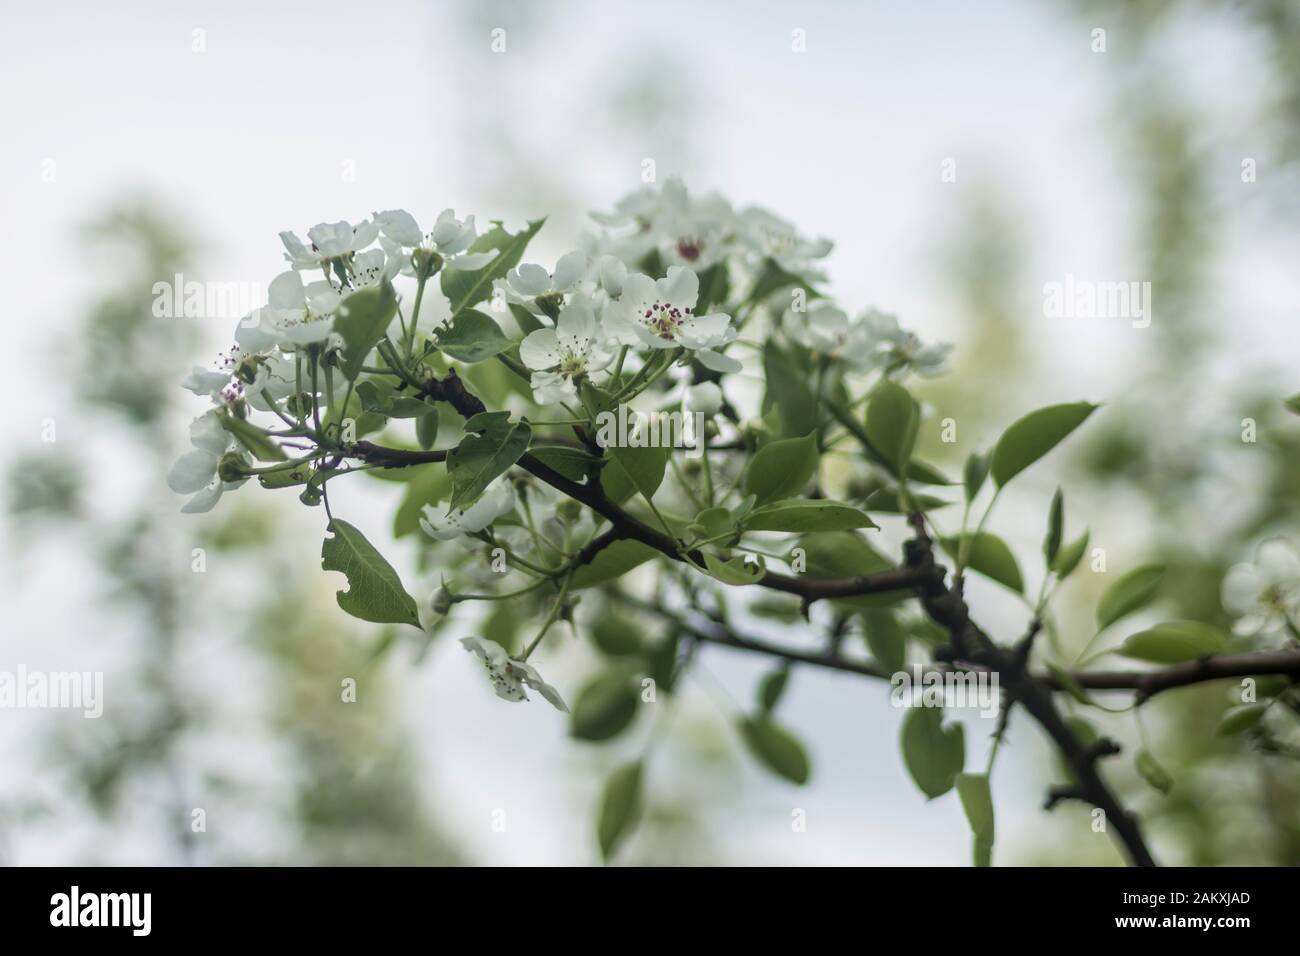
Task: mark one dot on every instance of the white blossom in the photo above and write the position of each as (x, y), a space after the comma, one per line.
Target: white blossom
(195, 472)
(450, 238)
(509, 677)
(559, 356)
(498, 500)
(1264, 595)
(329, 241)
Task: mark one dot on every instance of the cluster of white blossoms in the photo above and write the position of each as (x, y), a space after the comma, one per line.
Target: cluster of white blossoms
(650, 294)
(1264, 595)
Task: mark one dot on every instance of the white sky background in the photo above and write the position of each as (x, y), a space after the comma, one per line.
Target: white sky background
(250, 137)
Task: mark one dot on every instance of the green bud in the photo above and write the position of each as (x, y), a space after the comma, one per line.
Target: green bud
(231, 467)
(568, 511)
(442, 601)
(426, 263)
(550, 303)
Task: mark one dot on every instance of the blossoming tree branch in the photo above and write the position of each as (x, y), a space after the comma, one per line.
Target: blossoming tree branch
(673, 438)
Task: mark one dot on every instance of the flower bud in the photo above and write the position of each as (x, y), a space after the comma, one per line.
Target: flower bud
(551, 303)
(425, 262)
(442, 601)
(231, 467)
(568, 511)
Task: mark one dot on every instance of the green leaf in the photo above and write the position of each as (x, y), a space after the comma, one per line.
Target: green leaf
(977, 804)
(426, 429)
(715, 286)
(604, 708)
(634, 469)
(362, 321)
(1293, 404)
(973, 475)
(1067, 559)
(885, 638)
(620, 807)
(885, 501)
(781, 468)
(775, 747)
(772, 688)
(712, 523)
(616, 636)
(375, 592)
(572, 463)
(1152, 772)
(1033, 436)
(472, 337)
(1129, 593)
(428, 485)
(807, 515)
(893, 418)
(934, 754)
(466, 288)
(253, 438)
(1174, 642)
(1055, 527)
(1240, 719)
(1069, 684)
(989, 555)
(772, 278)
(788, 393)
(492, 445)
(736, 571)
(842, 554)
(612, 561)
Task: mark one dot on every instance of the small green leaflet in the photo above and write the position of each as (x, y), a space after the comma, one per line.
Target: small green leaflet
(472, 337)
(1133, 591)
(775, 747)
(1033, 436)
(807, 515)
(252, 438)
(772, 689)
(604, 708)
(465, 289)
(934, 753)
(893, 419)
(492, 444)
(989, 555)
(781, 468)
(977, 804)
(1240, 719)
(375, 592)
(788, 392)
(620, 807)
(1174, 642)
(362, 321)
(1152, 772)
(736, 571)
(612, 562)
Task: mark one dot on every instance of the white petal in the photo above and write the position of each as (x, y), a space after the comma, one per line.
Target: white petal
(207, 433)
(540, 349)
(718, 362)
(529, 279)
(681, 287)
(286, 291)
(576, 326)
(400, 226)
(202, 381)
(569, 271)
(613, 273)
(192, 472)
(205, 500)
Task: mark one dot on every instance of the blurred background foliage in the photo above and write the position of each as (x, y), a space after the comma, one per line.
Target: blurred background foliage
(340, 783)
